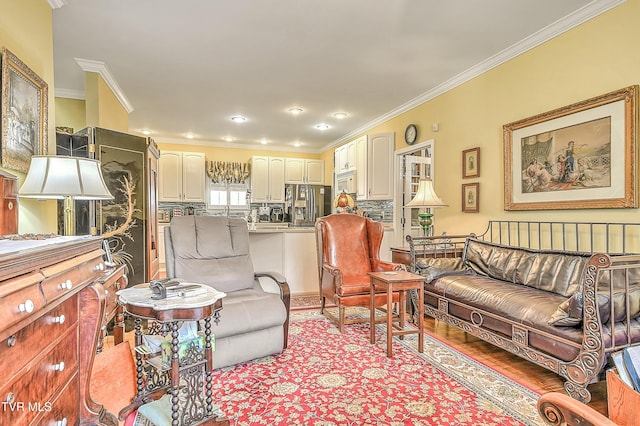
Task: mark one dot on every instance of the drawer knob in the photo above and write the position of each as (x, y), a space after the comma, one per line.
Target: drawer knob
(66, 285)
(59, 366)
(27, 306)
(99, 267)
(62, 422)
(60, 319)
(11, 341)
(10, 397)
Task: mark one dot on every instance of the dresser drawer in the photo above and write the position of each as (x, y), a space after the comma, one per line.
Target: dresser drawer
(116, 281)
(21, 298)
(40, 379)
(62, 407)
(26, 344)
(60, 279)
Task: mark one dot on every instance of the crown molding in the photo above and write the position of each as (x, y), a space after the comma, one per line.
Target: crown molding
(101, 68)
(56, 4)
(70, 94)
(236, 145)
(551, 31)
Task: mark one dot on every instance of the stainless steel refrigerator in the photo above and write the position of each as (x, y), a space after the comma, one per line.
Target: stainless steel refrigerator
(305, 203)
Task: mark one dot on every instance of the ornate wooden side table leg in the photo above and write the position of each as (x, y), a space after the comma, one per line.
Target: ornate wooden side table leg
(175, 375)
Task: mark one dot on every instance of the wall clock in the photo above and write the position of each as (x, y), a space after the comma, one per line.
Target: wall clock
(411, 134)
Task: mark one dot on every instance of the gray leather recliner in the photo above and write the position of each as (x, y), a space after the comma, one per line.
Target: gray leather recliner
(214, 250)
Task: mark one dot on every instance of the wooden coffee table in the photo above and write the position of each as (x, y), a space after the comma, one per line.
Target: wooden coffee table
(397, 281)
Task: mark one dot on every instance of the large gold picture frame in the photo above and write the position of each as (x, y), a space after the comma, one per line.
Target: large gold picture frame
(580, 156)
(24, 113)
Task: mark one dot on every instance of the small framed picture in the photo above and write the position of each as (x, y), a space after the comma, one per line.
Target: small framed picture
(471, 163)
(470, 197)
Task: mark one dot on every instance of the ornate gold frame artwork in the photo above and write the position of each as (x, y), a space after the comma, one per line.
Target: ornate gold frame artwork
(576, 157)
(24, 113)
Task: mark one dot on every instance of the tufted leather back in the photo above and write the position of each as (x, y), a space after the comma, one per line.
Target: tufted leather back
(349, 242)
(212, 250)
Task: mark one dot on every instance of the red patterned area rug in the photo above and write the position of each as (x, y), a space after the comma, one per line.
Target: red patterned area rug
(307, 301)
(327, 378)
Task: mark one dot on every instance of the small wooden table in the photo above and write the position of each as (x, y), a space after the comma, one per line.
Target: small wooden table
(400, 281)
(193, 378)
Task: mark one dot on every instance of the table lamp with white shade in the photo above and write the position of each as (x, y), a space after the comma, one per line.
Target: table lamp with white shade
(54, 177)
(426, 197)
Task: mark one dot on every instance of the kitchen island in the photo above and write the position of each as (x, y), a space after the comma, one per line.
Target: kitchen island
(291, 251)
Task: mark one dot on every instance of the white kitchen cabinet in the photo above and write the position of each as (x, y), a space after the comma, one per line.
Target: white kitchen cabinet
(378, 183)
(345, 158)
(380, 149)
(361, 168)
(301, 170)
(267, 179)
(181, 176)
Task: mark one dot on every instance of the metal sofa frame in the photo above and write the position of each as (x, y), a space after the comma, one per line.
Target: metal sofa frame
(613, 246)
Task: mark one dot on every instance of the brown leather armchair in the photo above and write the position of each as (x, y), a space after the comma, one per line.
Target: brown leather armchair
(348, 247)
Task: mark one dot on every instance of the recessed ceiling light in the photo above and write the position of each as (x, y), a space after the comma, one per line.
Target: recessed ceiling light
(146, 132)
(340, 115)
(322, 126)
(297, 144)
(228, 139)
(263, 141)
(190, 136)
(238, 119)
(295, 110)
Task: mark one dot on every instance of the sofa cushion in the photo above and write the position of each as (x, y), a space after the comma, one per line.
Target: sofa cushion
(552, 271)
(249, 310)
(434, 267)
(518, 304)
(569, 312)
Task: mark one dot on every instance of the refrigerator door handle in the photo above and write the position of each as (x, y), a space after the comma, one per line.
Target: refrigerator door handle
(312, 201)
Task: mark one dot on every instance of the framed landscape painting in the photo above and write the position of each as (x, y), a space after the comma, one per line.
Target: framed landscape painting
(576, 157)
(24, 113)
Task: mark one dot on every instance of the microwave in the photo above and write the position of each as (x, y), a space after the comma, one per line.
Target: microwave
(346, 182)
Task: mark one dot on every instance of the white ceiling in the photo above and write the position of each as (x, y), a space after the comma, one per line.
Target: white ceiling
(187, 66)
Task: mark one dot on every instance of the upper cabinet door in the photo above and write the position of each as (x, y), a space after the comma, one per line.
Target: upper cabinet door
(380, 166)
(259, 179)
(193, 176)
(276, 179)
(295, 170)
(314, 172)
(170, 176)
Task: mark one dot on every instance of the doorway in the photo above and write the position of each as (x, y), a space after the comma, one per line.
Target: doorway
(414, 163)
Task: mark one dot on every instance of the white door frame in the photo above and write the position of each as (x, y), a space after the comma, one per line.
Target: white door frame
(398, 238)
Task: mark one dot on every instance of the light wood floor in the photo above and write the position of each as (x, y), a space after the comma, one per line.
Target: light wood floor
(530, 375)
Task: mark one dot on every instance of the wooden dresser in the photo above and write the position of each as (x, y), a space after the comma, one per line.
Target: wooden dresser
(52, 304)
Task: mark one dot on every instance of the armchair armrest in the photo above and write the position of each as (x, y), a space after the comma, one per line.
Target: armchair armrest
(285, 295)
(557, 408)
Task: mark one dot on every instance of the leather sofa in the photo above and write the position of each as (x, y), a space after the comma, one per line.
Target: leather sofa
(539, 304)
(214, 250)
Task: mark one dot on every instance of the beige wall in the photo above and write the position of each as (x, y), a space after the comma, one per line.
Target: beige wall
(26, 30)
(592, 59)
(103, 109)
(71, 113)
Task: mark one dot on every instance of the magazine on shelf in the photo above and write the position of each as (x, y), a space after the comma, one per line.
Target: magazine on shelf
(622, 370)
(631, 359)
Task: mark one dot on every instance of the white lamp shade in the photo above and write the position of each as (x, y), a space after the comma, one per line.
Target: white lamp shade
(426, 196)
(56, 177)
